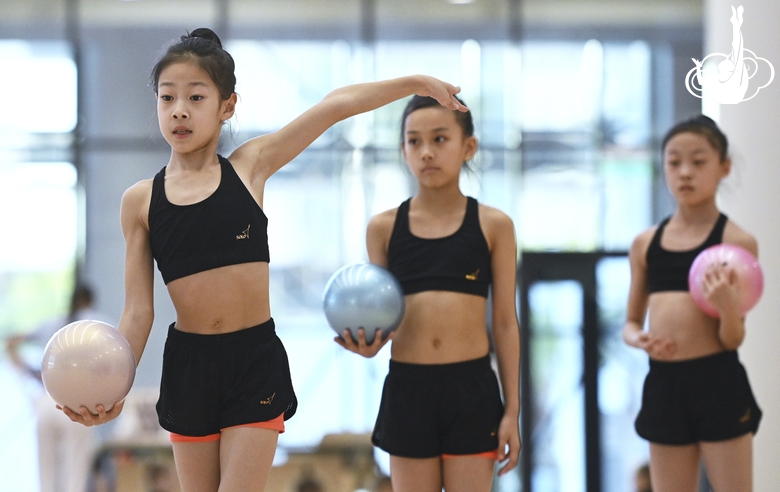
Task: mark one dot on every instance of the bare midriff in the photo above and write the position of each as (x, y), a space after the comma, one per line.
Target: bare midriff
(222, 300)
(441, 327)
(674, 315)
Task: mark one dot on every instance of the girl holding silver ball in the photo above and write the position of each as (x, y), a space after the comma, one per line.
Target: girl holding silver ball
(442, 418)
(201, 219)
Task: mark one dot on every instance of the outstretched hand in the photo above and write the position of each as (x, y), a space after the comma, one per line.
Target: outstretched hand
(84, 417)
(362, 347)
(444, 93)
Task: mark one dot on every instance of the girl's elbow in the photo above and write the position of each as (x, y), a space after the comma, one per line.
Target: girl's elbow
(732, 341)
(139, 316)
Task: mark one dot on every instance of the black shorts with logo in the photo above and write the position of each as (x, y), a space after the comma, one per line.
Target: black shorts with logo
(703, 399)
(428, 410)
(211, 382)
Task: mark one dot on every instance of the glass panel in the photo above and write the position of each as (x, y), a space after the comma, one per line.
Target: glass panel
(39, 79)
(561, 85)
(627, 193)
(40, 239)
(38, 228)
(621, 376)
(626, 94)
(277, 81)
(560, 209)
(558, 395)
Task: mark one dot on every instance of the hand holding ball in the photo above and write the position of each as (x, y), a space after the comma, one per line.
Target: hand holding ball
(88, 363)
(363, 295)
(750, 278)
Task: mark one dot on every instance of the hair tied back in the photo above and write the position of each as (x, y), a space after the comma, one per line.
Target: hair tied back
(204, 33)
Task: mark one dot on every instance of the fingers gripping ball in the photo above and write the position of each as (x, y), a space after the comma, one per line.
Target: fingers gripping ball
(749, 275)
(363, 295)
(88, 363)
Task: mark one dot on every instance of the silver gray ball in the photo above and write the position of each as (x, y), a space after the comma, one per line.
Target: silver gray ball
(363, 295)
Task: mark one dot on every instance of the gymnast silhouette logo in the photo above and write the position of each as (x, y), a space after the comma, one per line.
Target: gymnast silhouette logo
(268, 400)
(727, 82)
(244, 234)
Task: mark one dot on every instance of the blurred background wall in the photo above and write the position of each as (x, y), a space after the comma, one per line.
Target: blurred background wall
(570, 99)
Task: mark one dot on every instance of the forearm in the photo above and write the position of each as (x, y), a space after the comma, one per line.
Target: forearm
(507, 345)
(135, 325)
(360, 98)
(731, 331)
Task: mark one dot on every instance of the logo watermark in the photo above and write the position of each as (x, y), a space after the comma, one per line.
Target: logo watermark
(725, 78)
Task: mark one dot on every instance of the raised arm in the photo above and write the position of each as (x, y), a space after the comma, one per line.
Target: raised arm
(266, 154)
(506, 329)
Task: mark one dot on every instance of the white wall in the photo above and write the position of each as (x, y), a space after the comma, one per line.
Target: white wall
(751, 197)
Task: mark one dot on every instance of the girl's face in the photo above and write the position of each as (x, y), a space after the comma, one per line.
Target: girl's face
(189, 109)
(434, 146)
(693, 168)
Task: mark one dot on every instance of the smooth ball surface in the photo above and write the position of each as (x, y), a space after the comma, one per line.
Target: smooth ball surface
(363, 295)
(749, 276)
(88, 363)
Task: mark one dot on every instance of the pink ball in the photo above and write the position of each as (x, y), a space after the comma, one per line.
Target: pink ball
(749, 275)
(88, 363)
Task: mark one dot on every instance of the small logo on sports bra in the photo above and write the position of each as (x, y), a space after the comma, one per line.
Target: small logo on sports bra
(745, 418)
(268, 400)
(244, 234)
(473, 276)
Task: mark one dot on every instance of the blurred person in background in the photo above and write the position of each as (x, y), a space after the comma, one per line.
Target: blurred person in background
(65, 449)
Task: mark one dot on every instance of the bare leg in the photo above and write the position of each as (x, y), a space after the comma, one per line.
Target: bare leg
(246, 455)
(729, 464)
(674, 468)
(197, 465)
(415, 475)
(468, 474)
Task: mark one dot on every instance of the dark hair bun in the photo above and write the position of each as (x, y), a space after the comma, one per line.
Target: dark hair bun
(205, 33)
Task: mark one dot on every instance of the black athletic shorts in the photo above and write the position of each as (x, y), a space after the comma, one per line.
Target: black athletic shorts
(430, 410)
(211, 382)
(704, 399)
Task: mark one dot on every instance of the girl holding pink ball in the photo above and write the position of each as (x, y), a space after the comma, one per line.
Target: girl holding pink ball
(697, 404)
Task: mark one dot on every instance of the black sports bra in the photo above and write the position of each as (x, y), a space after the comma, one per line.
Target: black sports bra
(227, 228)
(459, 262)
(668, 270)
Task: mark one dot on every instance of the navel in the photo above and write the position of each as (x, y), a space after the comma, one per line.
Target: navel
(436, 343)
